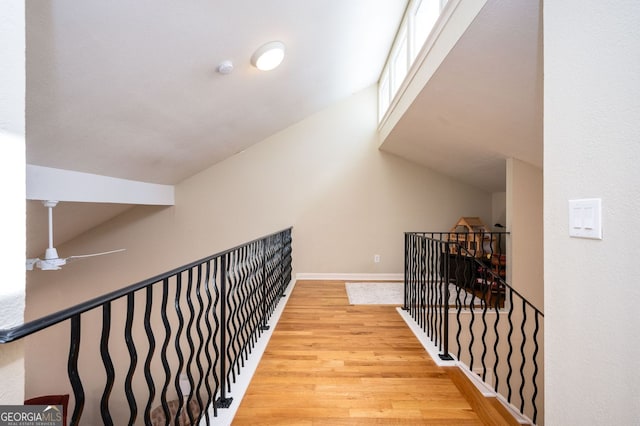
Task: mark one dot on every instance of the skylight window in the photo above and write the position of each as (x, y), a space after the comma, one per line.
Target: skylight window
(414, 31)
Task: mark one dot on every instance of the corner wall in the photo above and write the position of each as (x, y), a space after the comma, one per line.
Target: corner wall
(524, 223)
(592, 150)
(12, 191)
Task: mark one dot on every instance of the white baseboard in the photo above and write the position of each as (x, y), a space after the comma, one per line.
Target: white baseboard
(434, 352)
(432, 349)
(349, 276)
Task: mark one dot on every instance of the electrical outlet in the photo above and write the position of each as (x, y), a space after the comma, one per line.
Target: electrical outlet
(376, 258)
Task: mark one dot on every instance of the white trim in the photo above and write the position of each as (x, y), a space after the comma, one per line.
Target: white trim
(349, 276)
(417, 61)
(425, 341)
(46, 183)
(226, 415)
(433, 351)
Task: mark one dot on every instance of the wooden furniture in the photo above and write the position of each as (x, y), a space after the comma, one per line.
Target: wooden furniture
(473, 235)
(62, 399)
(476, 259)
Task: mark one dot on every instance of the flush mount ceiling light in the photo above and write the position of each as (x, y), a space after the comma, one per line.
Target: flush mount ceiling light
(268, 56)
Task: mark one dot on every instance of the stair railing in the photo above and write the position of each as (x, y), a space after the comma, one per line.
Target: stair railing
(455, 291)
(200, 322)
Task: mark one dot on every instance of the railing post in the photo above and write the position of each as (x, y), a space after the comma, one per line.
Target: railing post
(406, 271)
(445, 356)
(223, 401)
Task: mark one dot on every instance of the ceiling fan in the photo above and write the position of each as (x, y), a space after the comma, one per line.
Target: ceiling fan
(52, 261)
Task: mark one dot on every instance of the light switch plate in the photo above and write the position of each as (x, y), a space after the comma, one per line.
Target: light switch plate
(585, 218)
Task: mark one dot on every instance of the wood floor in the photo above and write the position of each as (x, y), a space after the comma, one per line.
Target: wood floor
(331, 363)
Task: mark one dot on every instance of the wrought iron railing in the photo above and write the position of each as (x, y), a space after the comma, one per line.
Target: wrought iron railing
(455, 291)
(200, 322)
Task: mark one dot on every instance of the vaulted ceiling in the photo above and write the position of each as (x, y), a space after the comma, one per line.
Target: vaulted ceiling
(129, 89)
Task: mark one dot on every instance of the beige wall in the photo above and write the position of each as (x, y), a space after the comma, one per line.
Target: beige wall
(324, 176)
(524, 222)
(498, 210)
(592, 150)
(12, 193)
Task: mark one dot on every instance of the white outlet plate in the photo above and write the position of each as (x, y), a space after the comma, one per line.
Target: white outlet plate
(376, 258)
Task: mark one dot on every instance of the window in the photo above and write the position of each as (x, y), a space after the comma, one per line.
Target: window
(425, 14)
(414, 31)
(400, 63)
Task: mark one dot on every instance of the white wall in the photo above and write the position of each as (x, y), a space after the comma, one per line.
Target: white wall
(592, 149)
(12, 192)
(525, 224)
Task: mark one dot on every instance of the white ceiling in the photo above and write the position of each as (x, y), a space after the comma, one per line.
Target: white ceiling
(128, 89)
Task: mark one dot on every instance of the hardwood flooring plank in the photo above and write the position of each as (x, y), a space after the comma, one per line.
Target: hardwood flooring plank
(331, 363)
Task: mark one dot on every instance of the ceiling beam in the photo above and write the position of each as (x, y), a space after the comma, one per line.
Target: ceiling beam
(46, 183)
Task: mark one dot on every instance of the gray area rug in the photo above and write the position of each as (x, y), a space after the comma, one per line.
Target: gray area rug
(392, 293)
(376, 293)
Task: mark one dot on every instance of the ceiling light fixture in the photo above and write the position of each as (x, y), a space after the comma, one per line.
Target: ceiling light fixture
(268, 56)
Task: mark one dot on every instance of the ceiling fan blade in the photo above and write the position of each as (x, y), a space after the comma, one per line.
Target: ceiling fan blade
(82, 256)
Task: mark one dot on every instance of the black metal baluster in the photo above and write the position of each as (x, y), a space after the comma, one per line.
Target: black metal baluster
(472, 321)
(406, 271)
(236, 338)
(432, 282)
(211, 370)
(437, 308)
(264, 326)
(72, 369)
(421, 284)
(485, 327)
(232, 326)
(133, 360)
(256, 294)
(495, 347)
(189, 333)
(535, 367)
(522, 346)
(201, 340)
(177, 346)
(108, 364)
(165, 345)
(243, 335)
(223, 401)
(458, 313)
(218, 347)
(147, 363)
(412, 278)
(510, 342)
(445, 355)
